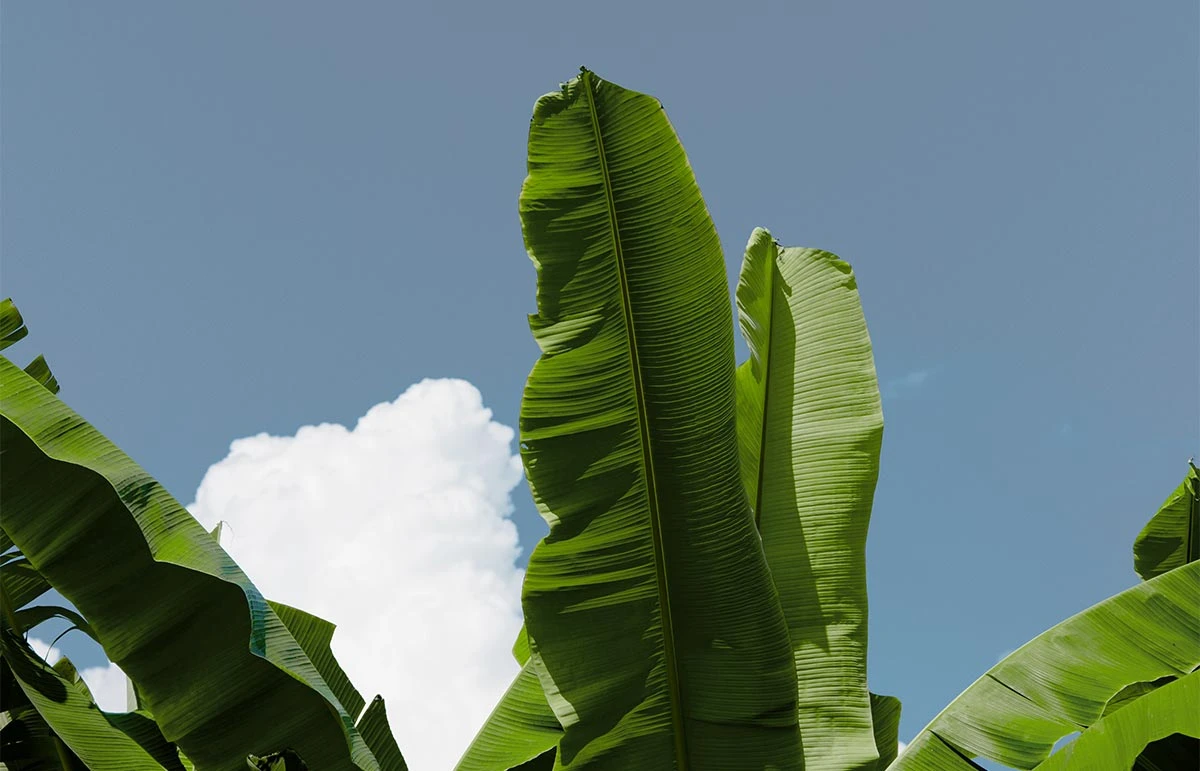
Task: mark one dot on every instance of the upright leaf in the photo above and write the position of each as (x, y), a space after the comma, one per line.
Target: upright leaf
(810, 428)
(1172, 536)
(655, 628)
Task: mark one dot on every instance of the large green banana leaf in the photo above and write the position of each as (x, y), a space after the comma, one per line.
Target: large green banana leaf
(656, 631)
(1172, 536)
(1061, 681)
(810, 429)
(220, 672)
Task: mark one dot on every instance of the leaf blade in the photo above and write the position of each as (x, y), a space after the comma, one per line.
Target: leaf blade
(810, 427)
(1172, 536)
(170, 607)
(1063, 679)
(649, 606)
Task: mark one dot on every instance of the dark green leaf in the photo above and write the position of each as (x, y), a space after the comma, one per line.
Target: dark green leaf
(213, 662)
(654, 626)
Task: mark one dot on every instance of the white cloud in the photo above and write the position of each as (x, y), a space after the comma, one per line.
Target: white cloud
(900, 746)
(44, 650)
(398, 531)
(107, 683)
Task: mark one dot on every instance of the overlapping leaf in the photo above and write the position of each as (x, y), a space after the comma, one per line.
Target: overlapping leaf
(220, 672)
(1115, 742)
(1062, 680)
(655, 629)
(810, 428)
(68, 712)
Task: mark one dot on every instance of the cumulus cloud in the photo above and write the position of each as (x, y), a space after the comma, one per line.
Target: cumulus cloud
(398, 531)
(107, 683)
(43, 649)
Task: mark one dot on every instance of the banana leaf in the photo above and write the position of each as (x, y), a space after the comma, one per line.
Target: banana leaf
(69, 713)
(12, 326)
(212, 661)
(521, 730)
(885, 720)
(655, 630)
(1063, 680)
(810, 430)
(20, 581)
(1172, 536)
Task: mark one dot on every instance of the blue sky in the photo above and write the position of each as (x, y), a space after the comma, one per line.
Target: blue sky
(224, 218)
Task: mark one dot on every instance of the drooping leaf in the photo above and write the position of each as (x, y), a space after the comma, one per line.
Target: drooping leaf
(810, 428)
(21, 582)
(1113, 743)
(1172, 536)
(885, 719)
(654, 626)
(213, 662)
(1062, 680)
(28, 618)
(70, 714)
(28, 744)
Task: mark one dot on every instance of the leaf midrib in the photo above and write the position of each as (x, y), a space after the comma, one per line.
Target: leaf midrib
(766, 371)
(673, 684)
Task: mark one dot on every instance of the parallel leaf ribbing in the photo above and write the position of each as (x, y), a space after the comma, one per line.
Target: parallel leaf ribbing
(654, 628)
(1061, 681)
(215, 664)
(810, 426)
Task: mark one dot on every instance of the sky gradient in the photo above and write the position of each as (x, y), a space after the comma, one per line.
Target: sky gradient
(222, 219)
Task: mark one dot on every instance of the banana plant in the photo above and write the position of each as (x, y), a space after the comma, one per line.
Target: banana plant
(221, 674)
(700, 600)
(1122, 674)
